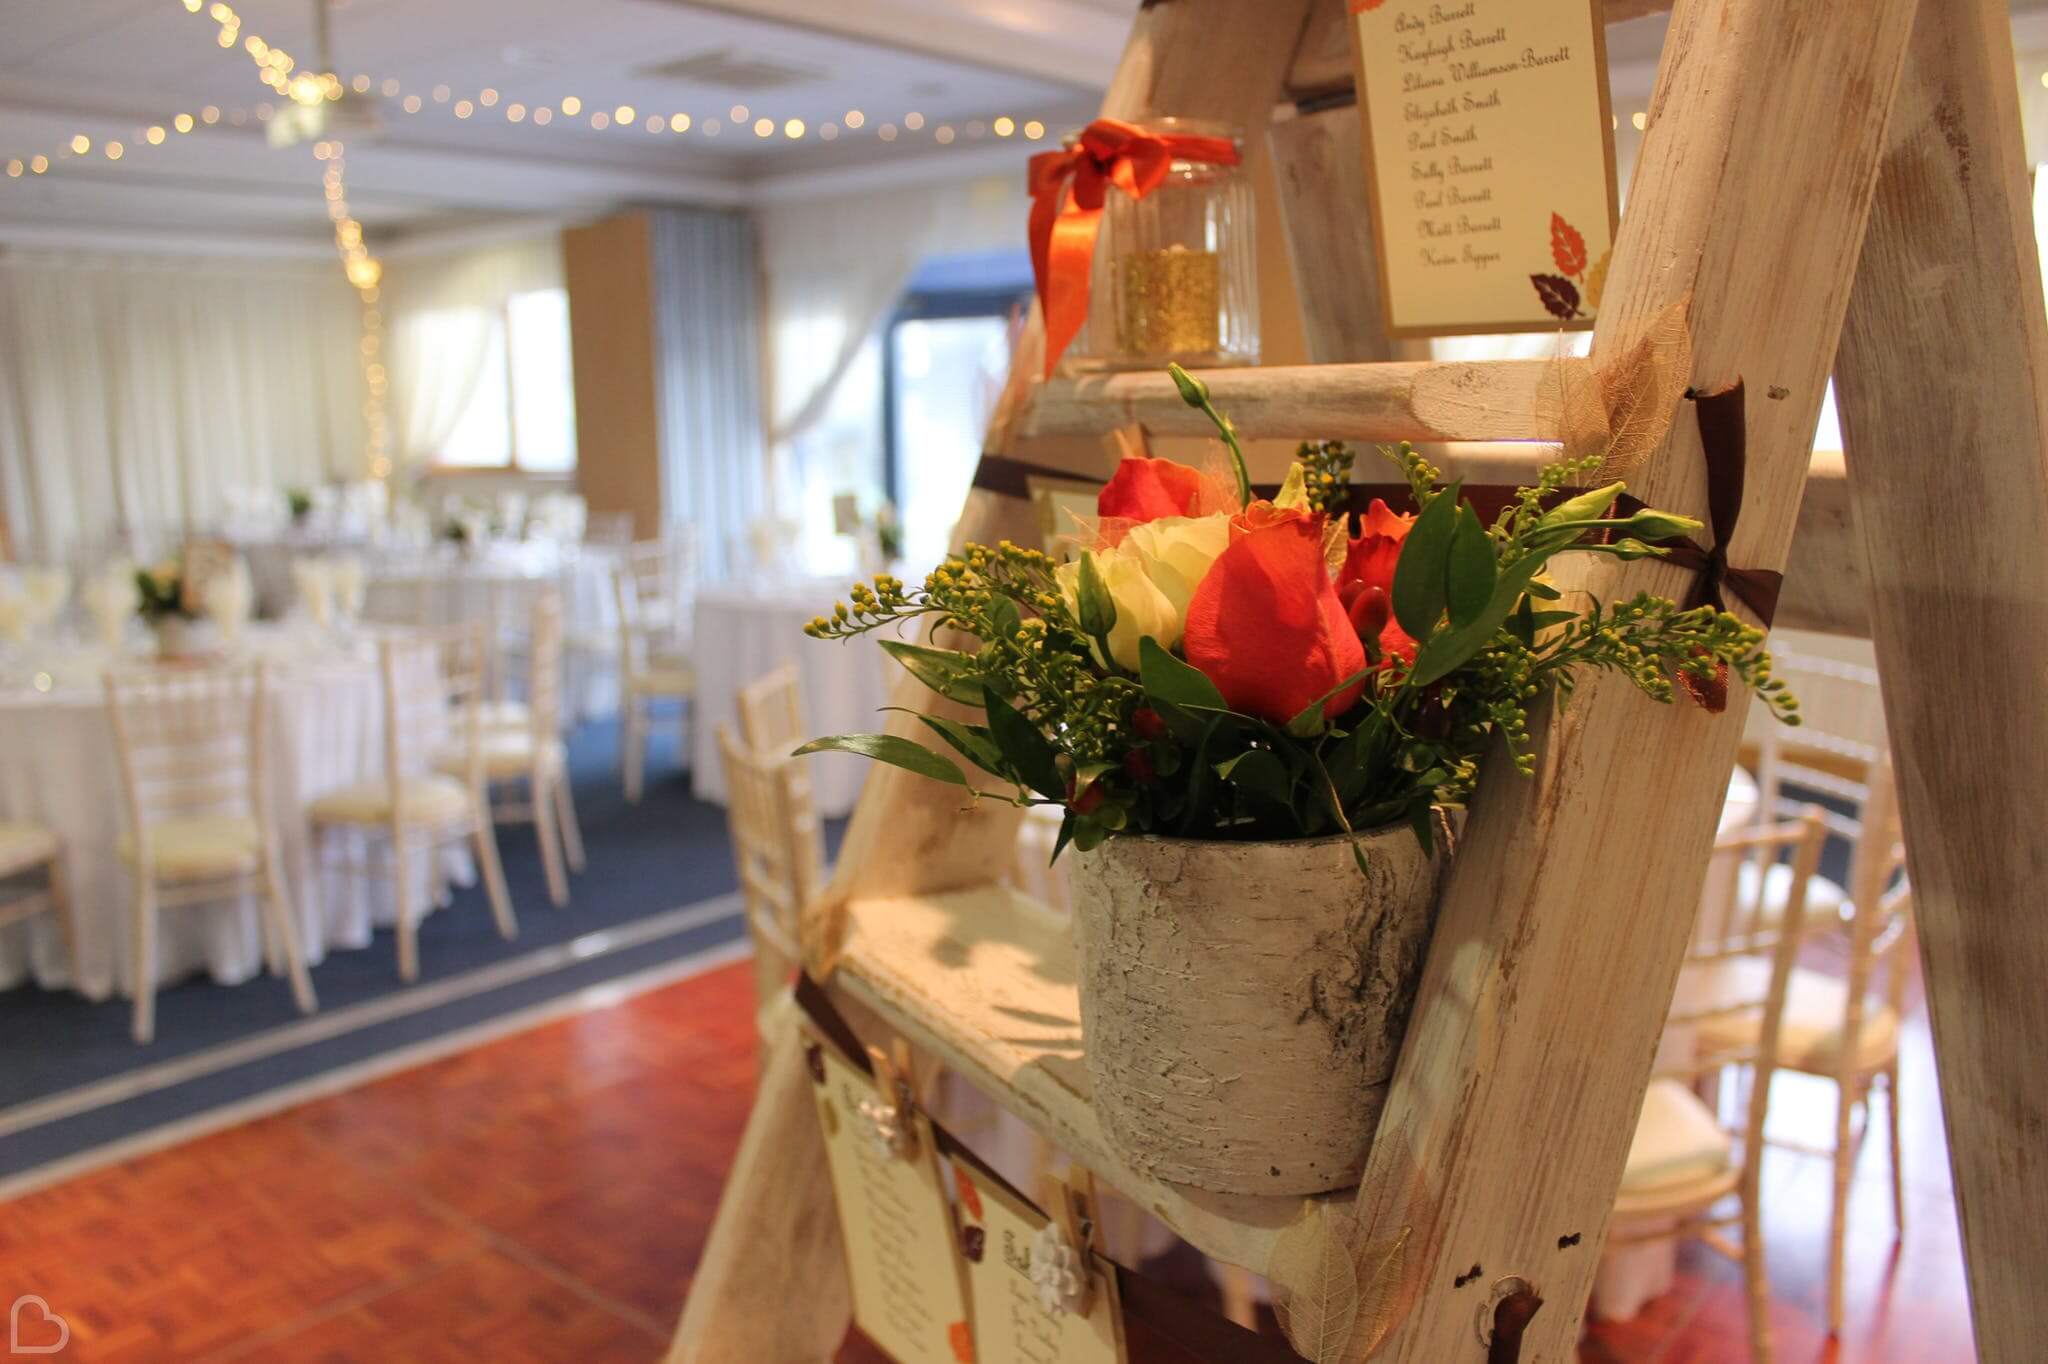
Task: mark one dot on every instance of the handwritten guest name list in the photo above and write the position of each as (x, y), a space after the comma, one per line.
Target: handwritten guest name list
(1490, 159)
(908, 1294)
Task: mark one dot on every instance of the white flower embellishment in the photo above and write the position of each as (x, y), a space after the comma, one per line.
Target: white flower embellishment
(885, 1127)
(1057, 1272)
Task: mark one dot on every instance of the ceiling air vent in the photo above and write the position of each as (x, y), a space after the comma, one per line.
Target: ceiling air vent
(730, 70)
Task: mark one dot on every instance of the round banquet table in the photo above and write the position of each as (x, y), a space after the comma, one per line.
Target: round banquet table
(58, 767)
(741, 635)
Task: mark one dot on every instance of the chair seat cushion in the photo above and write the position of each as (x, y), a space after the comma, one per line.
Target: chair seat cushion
(506, 753)
(1826, 902)
(24, 845)
(200, 848)
(503, 715)
(1810, 1038)
(421, 800)
(1677, 1141)
(664, 677)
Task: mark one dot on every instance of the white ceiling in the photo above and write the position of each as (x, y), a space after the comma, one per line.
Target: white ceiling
(107, 69)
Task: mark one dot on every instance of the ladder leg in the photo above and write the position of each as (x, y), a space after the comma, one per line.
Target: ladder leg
(776, 1233)
(1947, 342)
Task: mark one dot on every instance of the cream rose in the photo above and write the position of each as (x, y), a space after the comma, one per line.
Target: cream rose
(1152, 575)
(1177, 552)
(1141, 608)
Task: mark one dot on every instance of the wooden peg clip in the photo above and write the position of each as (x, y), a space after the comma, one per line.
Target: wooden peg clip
(1071, 1205)
(893, 1082)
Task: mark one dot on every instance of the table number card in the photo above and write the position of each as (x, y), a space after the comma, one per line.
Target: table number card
(1011, 1325)
(1489, 152)
(908, 1297)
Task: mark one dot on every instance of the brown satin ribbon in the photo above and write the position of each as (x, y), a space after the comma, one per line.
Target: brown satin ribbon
(1724, 438)
(1162, 1326)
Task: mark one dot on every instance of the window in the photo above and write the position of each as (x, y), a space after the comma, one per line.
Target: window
(947, 358)
(521, 410)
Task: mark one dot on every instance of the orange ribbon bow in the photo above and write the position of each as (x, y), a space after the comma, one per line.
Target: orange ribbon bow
(1068, 188)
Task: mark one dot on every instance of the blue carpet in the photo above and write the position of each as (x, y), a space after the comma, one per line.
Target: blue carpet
(644, 860)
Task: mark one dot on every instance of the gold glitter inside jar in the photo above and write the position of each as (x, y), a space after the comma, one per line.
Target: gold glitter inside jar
(1175, 274)
(1171, 302)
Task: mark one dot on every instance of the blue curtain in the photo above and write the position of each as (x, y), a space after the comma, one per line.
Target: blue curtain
(707, 330)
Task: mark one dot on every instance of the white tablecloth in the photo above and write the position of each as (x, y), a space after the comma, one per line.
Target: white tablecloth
(498, 584)
(743, 634)
(58, 766)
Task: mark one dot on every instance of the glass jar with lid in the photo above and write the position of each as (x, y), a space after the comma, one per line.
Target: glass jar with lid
(1175, 275)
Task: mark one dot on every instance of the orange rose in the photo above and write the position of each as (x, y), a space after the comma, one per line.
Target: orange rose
(1148, 489)
(1266, 624)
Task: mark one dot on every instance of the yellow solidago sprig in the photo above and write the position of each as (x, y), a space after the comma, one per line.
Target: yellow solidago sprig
(1055, 718)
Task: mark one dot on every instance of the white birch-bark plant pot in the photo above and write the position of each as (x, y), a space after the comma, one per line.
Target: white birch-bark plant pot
(1243, 1004)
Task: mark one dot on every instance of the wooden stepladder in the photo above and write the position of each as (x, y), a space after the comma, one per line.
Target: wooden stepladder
(1773, 130)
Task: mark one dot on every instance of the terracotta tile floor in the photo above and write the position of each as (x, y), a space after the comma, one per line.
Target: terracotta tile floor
(544, 1199)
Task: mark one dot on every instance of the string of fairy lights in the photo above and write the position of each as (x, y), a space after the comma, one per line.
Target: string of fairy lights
(298, 84)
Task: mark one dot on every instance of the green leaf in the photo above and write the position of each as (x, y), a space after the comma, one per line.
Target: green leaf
(1095, 608)
(1470, 570)
(970, 741)
(1066, 836)
(1168, 679)
(1521, 623)
(888, 748)
(1544, 592)
(1006, 616)
(1419, 574)
(946, 671)
(1308, 721)
(1199, 777)
(1029, 753)
(1420, 822)
(1451, 649)
(1088, 835)
(1259, 771)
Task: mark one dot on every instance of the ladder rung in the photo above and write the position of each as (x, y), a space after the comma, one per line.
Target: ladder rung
(1418, 400)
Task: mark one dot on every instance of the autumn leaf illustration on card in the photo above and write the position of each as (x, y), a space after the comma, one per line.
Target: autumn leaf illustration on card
(1571, 291)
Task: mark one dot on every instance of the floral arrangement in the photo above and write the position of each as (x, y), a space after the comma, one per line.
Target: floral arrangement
(165, 592)
(1215, 666)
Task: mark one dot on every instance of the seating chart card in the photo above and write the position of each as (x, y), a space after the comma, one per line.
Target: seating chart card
(908, 1297)
(1013, 1323)
(1489, 151)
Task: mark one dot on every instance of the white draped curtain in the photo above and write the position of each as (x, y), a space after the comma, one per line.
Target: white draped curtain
(707, 329)
(836, 271)
(448, 332)
(135, 392)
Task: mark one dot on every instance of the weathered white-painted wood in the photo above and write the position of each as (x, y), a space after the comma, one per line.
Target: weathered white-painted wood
(1565, 914)
(1944, 403)
(1418, 400)
(1243, 1003)
(776, 1233)
(1320, 168)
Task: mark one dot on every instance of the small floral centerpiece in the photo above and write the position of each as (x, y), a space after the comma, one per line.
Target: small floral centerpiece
(1217, 667)
(168, 602)
(1241, 705)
